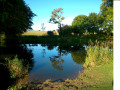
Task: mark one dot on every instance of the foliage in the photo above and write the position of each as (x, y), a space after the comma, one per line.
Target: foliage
(93, 23)
(97, 54)
(79, 24)
(106, 12)
(66, 31)
(57, 17)
(15, 17)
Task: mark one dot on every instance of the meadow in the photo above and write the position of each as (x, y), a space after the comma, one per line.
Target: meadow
(37, 33)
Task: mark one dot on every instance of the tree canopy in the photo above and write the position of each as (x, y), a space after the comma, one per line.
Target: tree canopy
(78, 24)
(15, 17)
(93, 23)
(106, 12)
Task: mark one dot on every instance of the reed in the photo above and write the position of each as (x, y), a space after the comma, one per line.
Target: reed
(97, 54)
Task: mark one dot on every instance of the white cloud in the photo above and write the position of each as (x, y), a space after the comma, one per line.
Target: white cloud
(36, 27)
(49, 26)
(67, 21)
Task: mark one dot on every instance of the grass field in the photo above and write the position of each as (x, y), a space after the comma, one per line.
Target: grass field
(37, 33)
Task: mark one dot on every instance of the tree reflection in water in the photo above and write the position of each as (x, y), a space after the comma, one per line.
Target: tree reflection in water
(78, 54)
(57, 62)
(43, 53)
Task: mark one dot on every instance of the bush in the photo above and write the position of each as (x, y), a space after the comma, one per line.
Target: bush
(16, 68)
(50, 33)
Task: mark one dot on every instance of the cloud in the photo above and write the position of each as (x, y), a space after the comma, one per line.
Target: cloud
(36, 27)
(50, 27)
(67, 21)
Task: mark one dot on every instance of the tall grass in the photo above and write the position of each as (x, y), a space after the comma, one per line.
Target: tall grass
(97, 54)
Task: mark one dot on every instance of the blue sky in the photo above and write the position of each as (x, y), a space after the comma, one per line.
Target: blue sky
(71, 9)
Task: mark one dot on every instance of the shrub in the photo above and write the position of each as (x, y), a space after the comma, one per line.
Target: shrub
(16, 68)
(50, 33)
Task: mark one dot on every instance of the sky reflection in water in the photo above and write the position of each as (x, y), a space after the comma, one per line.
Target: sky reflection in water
(52, 63)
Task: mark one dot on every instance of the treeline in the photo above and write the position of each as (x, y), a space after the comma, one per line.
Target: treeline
(101, 23)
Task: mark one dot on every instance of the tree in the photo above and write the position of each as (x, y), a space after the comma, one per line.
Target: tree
(106, 12)
(57, 17)
(78, 24)
(43, 28)
(93, 23)
(15, 17)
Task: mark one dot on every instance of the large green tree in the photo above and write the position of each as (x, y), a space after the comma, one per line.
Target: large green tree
(57, 17)
(106, 13)
(79, 24)
(15, 17)
(93, 23)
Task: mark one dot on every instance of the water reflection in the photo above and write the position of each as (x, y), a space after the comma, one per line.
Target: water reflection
(43, 52)
(57, 62)
(46, 61)
(79, 56)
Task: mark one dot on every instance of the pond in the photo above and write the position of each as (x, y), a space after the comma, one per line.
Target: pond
(46, 61)
(53, 63)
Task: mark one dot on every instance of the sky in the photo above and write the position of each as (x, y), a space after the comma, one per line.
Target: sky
(71, 9)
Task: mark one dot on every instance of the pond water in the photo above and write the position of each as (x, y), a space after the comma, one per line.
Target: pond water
(42, 61)
(53, 63)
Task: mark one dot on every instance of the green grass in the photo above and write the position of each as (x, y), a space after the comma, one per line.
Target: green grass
(101, 77)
